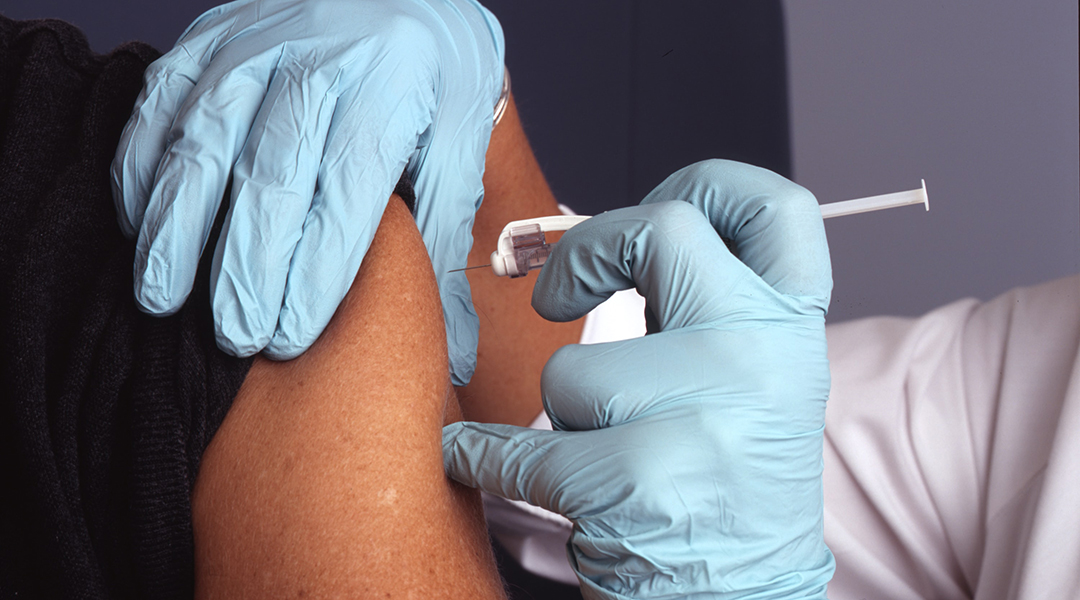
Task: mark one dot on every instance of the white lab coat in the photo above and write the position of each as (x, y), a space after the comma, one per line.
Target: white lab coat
(952, 452)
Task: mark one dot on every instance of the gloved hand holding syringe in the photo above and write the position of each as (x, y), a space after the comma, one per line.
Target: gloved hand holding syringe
(689, 459)
(523, 247)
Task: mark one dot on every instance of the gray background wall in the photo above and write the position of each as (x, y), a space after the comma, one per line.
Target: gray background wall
(979, 98)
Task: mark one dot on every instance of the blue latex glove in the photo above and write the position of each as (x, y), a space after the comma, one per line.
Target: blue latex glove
(690, 459)
(313, 108)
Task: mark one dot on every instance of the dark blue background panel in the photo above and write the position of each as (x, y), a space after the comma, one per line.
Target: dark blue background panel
(617, 95)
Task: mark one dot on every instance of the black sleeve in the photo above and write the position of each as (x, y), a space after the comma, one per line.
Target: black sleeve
(104, 411)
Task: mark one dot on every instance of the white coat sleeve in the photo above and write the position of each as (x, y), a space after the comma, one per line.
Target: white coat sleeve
(952, 451)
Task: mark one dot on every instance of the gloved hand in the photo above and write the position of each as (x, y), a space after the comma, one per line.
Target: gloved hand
(312, 108)
(689, 460)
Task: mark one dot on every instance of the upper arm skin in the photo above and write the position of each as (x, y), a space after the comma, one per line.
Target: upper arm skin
(326, 477)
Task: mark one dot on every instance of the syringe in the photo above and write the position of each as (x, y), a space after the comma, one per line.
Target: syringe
(523, 247)
(871, 203)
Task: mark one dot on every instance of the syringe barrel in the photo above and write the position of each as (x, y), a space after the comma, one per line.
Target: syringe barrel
(871, 203)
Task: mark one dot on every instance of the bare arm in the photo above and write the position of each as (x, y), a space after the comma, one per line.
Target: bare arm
(326, 478)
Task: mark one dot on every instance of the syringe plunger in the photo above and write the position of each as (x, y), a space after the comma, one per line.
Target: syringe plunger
(861, 205)
(522, 245)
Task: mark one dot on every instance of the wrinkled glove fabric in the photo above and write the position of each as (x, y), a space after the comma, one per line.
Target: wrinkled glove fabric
(311, 109)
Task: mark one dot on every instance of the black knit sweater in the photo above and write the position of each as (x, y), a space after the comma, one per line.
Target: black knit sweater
(104, 411)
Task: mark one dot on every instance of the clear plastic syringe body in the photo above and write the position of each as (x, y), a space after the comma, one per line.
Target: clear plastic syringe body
(871, 203)
(522, 246)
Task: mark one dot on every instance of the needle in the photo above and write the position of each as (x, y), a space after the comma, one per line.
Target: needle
(469, 268)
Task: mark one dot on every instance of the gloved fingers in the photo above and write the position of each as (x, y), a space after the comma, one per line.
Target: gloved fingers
(448, 236)
(740, 371)
(166, 85)
(518, 463)
(207, 136)
(449, 189)
(588, 386)
(462, 326)
(669, 252)
(367, 146)
(272, 187)
(449, 170)
(775, 225)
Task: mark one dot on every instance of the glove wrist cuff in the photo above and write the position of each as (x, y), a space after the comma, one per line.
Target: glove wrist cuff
(504, 96)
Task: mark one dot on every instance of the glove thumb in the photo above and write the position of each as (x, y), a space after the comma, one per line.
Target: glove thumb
(508, 461)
